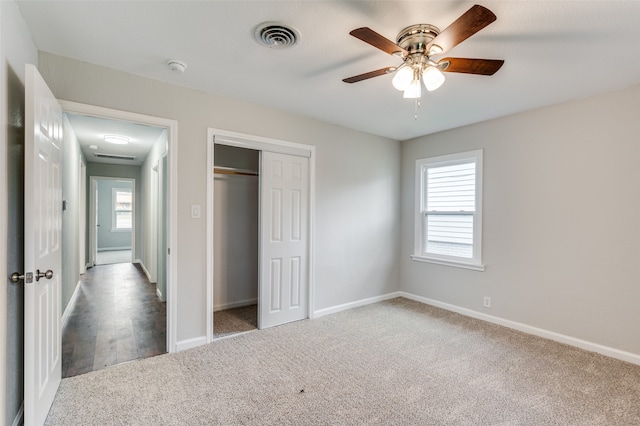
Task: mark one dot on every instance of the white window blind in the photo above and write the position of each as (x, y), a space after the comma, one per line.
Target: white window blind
(450, 207)
(122, 209)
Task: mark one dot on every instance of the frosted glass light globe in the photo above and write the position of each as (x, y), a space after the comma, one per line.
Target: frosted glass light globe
(414, 90)
(432, 78)
(402, 79)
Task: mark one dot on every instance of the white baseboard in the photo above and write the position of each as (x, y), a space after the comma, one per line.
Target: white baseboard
(144, 268)
(183, 345)
(70, 306)
(236, 304)
(114, 248)
(18, 419)
(159, 294)
(551, 335)
(333, 309)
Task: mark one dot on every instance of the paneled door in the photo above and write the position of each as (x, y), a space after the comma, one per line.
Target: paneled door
(284, 236)
(42, 245)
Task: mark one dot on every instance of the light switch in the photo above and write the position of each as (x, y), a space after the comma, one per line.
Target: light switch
(195, 211)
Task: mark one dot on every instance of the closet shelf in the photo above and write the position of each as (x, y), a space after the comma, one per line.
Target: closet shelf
(234, 171)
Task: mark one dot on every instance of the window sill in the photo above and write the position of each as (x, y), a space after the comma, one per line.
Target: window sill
(120, 229)
(455, 264)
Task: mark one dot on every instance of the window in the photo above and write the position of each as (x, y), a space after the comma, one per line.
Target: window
(449, 210)
(122, 209)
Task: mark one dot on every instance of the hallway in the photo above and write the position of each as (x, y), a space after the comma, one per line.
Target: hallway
(109, 257)
(117, 318)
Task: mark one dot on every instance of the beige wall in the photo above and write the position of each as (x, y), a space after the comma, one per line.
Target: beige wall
(561, 236)
(71, 170)
(149, 209)
(357, 182)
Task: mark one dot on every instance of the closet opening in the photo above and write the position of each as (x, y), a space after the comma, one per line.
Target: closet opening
(236, 243)
(260, 198)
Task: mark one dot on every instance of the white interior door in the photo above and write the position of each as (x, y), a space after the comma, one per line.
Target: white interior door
(284, 233)
(42, 244)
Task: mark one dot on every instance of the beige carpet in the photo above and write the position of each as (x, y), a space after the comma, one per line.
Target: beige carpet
(393, 363)
(236, 320)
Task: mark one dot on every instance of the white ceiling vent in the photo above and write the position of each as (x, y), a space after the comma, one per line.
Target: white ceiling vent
(115, 156)
(275, 35)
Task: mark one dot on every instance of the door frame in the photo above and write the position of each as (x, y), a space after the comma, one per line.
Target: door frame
(93, 214)
(172, 135)
(82, 216)
(242, 140)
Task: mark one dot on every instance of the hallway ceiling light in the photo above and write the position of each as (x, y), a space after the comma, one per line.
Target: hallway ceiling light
(118, 140)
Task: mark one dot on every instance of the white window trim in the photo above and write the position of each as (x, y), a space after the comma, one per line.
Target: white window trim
(419, 254)
(114, 192)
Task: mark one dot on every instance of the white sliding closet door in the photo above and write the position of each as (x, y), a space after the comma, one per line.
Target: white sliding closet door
(284, 235)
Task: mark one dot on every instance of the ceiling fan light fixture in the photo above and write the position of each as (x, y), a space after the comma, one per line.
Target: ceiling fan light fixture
(414, 90)
(433, 78)
(402, 79)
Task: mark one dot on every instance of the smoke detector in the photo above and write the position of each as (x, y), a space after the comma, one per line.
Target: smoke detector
(275, 35)
(176, 65)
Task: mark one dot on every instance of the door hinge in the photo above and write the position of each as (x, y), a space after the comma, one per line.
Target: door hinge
(168, 250)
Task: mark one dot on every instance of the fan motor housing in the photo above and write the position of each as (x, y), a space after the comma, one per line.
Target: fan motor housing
(414, 38)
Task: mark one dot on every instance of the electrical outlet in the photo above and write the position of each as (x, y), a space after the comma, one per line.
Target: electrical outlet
(486, 302)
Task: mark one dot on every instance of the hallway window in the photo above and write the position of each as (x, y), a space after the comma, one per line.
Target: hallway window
(122, 209)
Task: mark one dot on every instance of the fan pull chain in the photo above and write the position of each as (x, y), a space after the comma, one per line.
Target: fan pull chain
(417, 106)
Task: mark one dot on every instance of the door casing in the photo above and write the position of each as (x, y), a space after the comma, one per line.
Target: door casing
(93, 206)
(241, 140)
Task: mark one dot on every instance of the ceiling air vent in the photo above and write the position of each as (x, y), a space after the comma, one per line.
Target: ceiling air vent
(275, 36)
(115, 156)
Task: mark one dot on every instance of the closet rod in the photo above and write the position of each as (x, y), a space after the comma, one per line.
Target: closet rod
(234, 171)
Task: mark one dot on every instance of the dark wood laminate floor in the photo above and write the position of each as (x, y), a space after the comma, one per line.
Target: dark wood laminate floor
(117, 318)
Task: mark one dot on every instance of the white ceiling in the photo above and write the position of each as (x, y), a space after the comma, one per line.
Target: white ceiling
(554, 51)
(91, 131)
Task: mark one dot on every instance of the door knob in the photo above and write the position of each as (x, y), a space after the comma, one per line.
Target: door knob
(48, 275)
(28, 277)
(16, 276)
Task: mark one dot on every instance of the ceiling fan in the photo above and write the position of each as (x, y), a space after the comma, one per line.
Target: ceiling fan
(417, 44)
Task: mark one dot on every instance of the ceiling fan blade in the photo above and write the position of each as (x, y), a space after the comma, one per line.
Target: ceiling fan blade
(371, 74)
(376, 40)
(472, 66)
(472, 21)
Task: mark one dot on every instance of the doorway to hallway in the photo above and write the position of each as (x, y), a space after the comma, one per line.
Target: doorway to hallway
(121, 308)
